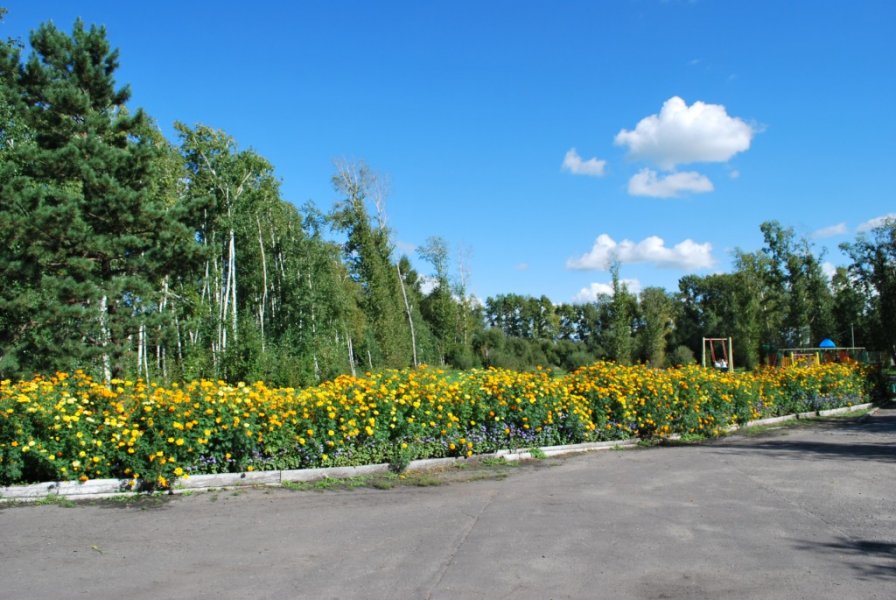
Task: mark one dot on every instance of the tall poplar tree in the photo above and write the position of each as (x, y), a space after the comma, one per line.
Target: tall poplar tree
(620, 327)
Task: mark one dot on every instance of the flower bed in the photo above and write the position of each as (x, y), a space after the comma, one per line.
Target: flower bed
(71, 427)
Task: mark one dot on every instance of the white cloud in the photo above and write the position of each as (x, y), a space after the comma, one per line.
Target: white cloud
(428, 284)
(828, 269)
(733, 173)
(646, 183)
(592, 167)
(406, 247)
(826, 232)
(875, 222)
(521, 266)
(593, 292)
(682, 134)
(687, 255)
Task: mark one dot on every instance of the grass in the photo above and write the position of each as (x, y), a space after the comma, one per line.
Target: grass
(487, 468)
(537, 453)
(497, 461)
(55, 500)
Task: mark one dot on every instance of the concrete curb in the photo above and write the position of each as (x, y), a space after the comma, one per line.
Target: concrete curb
(843, 410)
(106, 488)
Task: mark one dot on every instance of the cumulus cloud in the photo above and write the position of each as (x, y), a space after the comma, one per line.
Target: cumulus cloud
(592, 167)
(687, 255)
(875, 222)
(594, 291)
(828, 269)
(826, 232)
(682, 134)
(646, 182)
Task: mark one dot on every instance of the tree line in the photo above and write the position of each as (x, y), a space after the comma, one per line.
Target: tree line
(128, 255)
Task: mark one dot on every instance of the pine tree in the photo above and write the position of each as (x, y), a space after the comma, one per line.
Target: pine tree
(88, 241)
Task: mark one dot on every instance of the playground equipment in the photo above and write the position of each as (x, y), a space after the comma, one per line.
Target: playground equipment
(785, 357)
(724, 359)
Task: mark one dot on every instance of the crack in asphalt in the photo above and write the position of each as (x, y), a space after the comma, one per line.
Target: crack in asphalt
(459, 544)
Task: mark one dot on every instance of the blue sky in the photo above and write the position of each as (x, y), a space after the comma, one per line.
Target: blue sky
(541, 136)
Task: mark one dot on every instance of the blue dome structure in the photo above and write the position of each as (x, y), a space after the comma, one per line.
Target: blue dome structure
(827, 343)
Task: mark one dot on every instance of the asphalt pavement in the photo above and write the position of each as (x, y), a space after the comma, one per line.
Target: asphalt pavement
(797, 512)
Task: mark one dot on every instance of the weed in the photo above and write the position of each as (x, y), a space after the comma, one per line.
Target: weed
(297, 486)
(537, 453)
(496, 461)
(57, 500)
(424, 481)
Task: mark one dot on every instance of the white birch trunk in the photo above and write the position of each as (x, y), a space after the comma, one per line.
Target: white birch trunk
(407, 308)
(104, 338)
(313, 328)
(351, 354)
(232, 272)
(139, 349)
(264, 275)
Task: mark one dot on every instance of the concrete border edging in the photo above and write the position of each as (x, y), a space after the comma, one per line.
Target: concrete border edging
(106, 488)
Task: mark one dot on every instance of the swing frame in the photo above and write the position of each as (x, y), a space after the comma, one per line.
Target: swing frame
(727, 347)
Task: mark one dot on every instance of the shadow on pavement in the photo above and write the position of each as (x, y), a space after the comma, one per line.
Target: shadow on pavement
(878, 559)
(796, 449)
(878, 425)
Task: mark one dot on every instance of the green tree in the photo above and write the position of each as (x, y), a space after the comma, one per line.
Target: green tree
(622, 309)
(657, 310)
(851, 310)
(796, 286)
(368, 253)
(751, 323)
(86, 238)
(874, 268)
(439, 307)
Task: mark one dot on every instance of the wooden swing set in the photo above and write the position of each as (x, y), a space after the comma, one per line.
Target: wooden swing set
(724, 359)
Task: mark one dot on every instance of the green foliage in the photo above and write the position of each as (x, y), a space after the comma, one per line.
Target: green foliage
(537, 453)
(657, 310)
(130, 256)
(681, 356)
(86, 237)
(874, 269)
(622, 309)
